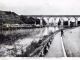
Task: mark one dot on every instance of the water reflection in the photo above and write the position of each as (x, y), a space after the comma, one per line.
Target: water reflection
(21, 38)
(24, 35)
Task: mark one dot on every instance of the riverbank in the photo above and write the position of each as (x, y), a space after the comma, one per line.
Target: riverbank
(17, 28)
(28, 35)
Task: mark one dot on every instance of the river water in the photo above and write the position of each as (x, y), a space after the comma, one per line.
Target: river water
(21, 38)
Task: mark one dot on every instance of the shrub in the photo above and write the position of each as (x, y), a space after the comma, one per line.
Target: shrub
(30, 49)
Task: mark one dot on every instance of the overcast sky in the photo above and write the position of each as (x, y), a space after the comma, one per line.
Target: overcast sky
(38, 7)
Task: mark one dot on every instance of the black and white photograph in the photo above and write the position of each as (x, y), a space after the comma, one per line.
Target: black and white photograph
(40, 28)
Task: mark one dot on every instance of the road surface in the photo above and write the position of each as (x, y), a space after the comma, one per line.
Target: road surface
(67, 46)
(56, 49)
(71, 39)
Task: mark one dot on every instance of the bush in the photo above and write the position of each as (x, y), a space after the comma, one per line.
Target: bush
(29, 49)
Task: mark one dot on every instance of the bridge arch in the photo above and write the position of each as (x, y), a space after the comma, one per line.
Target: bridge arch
(60, 18)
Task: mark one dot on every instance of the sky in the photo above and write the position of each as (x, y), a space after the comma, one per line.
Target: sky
(41, 7)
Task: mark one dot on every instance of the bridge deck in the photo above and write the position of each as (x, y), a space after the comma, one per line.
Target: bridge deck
(53, 15)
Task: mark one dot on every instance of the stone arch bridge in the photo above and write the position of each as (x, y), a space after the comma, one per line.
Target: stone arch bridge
(55, 17)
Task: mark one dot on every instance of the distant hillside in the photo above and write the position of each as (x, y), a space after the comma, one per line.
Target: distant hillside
(13, 18)
(9, 17)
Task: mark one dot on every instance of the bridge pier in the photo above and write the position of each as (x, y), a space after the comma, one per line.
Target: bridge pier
(35, 23)
(68, 22)
(41, 23)
(48, 21)
(35, 20)
(54, 21)
(76, 21)
(61, 23)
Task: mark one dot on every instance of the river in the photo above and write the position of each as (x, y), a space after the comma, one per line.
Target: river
(21, 38)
